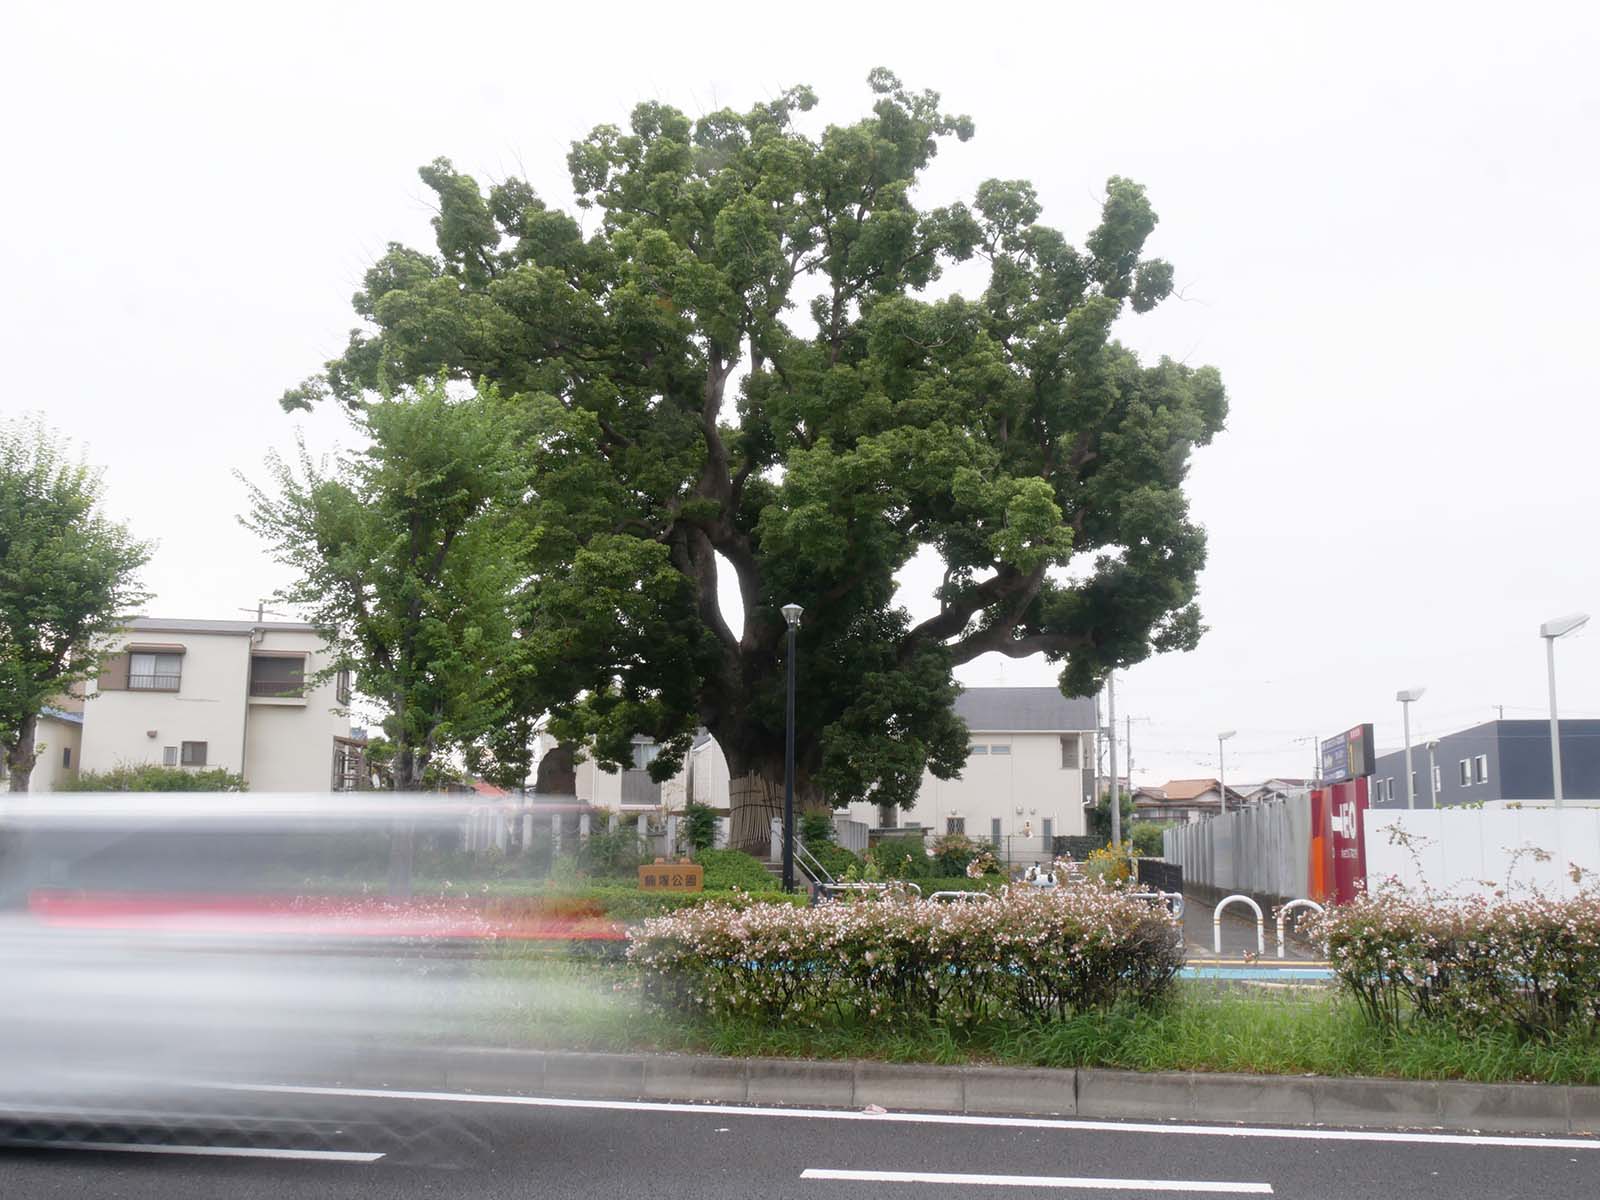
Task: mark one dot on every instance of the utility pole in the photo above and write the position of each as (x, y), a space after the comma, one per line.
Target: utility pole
(1116, 798)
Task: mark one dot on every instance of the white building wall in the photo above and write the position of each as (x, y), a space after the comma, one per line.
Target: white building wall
(1027, 775)
(289, 740)
(711, 780)
(51, 736)
(276, 743)
(132, 727)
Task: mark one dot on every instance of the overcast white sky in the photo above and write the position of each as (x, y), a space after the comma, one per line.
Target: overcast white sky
(1382, 219)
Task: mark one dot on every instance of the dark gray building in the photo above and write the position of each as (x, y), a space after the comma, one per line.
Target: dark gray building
(1498, 760)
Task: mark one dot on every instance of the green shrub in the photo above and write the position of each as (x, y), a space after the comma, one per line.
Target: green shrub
(726, 869)
(1529, 966)
(152, 777)
(622, 903)
(1146, 838)
(700, 825)
(901, 858)
(611, 853)
(815, 829)
(952, 853)
(835, 860)
(1030, 954)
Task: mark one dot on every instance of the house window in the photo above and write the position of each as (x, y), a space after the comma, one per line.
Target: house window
(1000, 749)
(1069, 753)
(169, 756)
(1049, 832)
(1466, 772)
(977, 749)
(66, 756)
(645, 753)
(1413, 783)
(955, 824)
(1480, 769)
(154, 672)
(1388, 789)
(994, 830)
(194, 754)
(342, 687)
(277, 675)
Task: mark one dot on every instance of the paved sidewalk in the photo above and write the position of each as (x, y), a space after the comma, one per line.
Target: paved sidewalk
(1239, 934)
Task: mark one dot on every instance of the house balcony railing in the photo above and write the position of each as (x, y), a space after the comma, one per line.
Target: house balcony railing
(288, 689)
(153, 683)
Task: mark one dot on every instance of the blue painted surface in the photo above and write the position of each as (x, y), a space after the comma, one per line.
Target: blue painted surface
(1296, 974)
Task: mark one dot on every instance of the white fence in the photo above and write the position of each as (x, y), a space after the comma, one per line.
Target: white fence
(1264, 850)
(1467, 852)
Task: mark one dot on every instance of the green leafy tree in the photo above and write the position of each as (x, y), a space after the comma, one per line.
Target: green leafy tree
(68, 579)
(1100, 814)
(408, 560)
(751, 373)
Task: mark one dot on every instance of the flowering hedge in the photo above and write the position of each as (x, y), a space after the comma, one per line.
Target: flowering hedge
(1030, 953)
(1529, 964)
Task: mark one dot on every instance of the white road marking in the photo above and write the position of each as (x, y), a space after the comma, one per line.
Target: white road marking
(352, 1156)
(1065, 1124)
(1078, 1182)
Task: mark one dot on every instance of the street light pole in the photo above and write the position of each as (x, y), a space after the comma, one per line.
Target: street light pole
(1433, 773)
(791, 614)
(1550, 631)
(1111, 738)
(1406, 697)
(1222, 771)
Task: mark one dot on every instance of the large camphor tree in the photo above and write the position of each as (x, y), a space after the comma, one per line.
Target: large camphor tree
(744, 360)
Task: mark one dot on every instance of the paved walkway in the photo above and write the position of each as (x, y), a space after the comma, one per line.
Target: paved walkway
(1239, 935)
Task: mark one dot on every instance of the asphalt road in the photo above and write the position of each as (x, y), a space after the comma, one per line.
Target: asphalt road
(528, 1148)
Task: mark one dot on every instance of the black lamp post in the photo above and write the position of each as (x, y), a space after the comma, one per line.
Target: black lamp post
(791, 614)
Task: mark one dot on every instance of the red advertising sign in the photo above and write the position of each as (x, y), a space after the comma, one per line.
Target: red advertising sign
(1338, 843)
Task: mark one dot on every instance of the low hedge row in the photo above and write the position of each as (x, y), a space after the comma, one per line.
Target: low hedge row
(1033, 954)
(1528, 965)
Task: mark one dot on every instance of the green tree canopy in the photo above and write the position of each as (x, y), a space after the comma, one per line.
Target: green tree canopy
(743, 364)
(68, 579)
(408, 556)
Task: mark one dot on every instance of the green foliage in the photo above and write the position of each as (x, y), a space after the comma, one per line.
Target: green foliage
(1026, 954)
(816, 828)
(900, 858)
(700, 825)
(835, 860)
(68, 579)
(735, 869)
(953, 852)
(1006, 431)
(1526, 965)
(1146, 837)
(152, 777)
(409, 558)
(1100, 815)
(611, 852)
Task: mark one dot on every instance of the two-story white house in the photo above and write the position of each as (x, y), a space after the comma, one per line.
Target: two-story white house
(1029, 771)
(236, 694)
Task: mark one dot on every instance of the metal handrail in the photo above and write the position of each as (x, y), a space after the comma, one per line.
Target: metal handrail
(959, 895)
(1173, 900)
(808, 863)
(830, 888)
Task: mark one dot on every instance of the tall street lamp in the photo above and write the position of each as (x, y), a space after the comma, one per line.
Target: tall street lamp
(1550, 631)
(1222, 773)
(1406, 698)
(1433, 772)
(791, 614)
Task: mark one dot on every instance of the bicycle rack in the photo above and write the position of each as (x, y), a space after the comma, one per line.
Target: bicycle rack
(1216, 923)
(1284, 912)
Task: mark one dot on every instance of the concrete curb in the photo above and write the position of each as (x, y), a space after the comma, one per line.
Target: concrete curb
(1131, 1095)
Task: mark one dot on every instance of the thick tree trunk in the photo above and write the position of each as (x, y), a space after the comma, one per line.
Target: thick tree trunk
(755, 798)
(21, 756)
